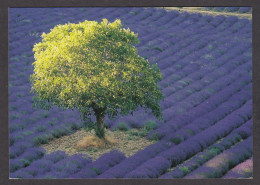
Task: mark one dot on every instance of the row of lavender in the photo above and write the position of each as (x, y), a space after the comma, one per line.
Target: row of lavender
(206, 77)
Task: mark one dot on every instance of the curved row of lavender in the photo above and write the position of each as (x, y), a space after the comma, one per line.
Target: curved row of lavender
(206, 64)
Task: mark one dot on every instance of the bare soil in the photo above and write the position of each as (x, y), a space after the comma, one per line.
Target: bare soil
(122, 141)
(213, 13)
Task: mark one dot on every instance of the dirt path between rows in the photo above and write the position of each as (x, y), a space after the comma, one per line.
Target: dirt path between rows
(213, 13)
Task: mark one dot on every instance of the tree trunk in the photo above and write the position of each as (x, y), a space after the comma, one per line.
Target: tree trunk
(100, 117)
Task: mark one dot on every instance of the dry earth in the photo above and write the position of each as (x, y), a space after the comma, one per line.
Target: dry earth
(213, 13)
(124, 142)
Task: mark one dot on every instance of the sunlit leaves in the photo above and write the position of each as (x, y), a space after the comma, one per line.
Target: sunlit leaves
(94, 65)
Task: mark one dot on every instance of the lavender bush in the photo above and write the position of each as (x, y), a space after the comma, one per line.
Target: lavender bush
(220, 164)
(243, 170)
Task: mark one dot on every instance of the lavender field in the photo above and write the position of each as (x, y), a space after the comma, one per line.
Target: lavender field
(206, 63)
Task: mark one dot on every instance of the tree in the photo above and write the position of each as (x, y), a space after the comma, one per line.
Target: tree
(94, 68)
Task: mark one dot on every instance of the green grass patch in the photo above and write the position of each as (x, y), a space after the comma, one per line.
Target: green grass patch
(27, 133)
(43, 139)
(175, 140)
(74, 126)
(21, 75)
(191, 132)
(45, 115)
(122, 126)
(133, 13)
(154, 137)
(148, 127)
(130, 138)
(51, 122)
(12, 107)
(15, 58)
(19, 95)
(158, 48)
(185, 170)
(214, 151)
(15, 116)
(41, 128)
(26, 21)
(184, 82)
(27, 55)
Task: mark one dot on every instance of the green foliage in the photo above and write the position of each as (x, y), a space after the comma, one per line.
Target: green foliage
(95, 68)
(41, 128)
(27, 55)
(92, 149)
(158, 48)
(21, 75)
(42, 139)
(51, 123)
(154, 136)
(11, 156)
(95, 170)
(11, 141)
(133, 13)
(15, 116)
(19, 95)
(58, 132)
(26, 21)
(88, 125)
(190, 131)
(185, 170)
(214, 151)
(150, 125)
(133, 133)
(99, 132)
(45, 115)
(15, 58)
(25, 162)
(27, 133)
(175, 140)
(122, 126)
(74, 126)
(12, 107)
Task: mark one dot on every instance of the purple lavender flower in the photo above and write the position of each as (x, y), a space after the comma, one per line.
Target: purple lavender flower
(220, 164)
(245, 9)
(243, 170)
(150, 170)
(107, 161)
(56, 156)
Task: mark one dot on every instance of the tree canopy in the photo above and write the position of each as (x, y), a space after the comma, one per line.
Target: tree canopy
(95, 68)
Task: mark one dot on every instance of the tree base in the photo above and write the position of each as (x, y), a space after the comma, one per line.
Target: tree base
(96, 142)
